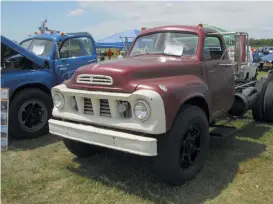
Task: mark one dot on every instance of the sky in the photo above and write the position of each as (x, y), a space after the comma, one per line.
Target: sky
(105, 18)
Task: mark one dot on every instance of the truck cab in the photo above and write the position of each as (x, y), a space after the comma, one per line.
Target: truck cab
(31, 68)
(159, 101)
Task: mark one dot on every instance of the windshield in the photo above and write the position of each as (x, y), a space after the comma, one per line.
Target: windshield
(169, 43)
(41, 47)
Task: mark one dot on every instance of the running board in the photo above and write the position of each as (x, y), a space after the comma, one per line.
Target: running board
(222, 132)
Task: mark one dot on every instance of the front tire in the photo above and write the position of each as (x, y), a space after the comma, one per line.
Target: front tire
(81, 150)
(182, 152)
(30, 110)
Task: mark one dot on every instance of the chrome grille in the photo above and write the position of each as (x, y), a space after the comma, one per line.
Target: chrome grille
(88, 107)
(94, 79)
(105, 108)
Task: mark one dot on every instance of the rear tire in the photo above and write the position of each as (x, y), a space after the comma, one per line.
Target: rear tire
(80, 149)
(268, 103)
(258, 109)
(30, 110)
(178, 158)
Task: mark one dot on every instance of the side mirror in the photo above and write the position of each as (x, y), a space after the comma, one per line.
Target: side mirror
(64, 54)
(240, 48)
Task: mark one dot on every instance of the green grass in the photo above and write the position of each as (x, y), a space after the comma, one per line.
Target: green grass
(262, 74)
(238, 170)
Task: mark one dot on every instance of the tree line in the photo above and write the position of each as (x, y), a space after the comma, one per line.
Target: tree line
(260, 42)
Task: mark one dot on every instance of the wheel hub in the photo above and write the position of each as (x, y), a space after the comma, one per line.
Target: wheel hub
(190, 147)
(32, 115)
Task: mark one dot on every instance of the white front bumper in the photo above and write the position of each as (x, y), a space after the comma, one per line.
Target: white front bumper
(121, 141)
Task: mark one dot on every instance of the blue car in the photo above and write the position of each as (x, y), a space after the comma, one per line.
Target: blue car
(31, 68)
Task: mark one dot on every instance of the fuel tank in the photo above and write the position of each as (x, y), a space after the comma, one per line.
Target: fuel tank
(244, 101)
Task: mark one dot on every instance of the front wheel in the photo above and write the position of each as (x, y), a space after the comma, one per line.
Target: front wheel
(182, 152)
(30, 110)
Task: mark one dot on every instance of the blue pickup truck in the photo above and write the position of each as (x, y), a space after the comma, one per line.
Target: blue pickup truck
(31, 68)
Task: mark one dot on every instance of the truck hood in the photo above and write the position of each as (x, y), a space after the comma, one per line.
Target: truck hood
(131, 71)
(19, 49)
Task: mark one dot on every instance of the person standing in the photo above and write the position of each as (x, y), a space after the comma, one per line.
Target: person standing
(109, 53)
(121, 55)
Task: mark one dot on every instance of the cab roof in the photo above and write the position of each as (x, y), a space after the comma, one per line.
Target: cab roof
(183, 28)
(55, 36)
(46, 36)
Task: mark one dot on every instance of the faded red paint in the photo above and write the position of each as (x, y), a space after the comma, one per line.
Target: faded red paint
(184, 77)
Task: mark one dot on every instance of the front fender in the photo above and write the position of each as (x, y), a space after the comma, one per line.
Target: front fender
(14, 81)
(175, 91)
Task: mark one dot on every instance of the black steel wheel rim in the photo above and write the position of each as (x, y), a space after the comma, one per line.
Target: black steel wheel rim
(32, 115)
(190, 147)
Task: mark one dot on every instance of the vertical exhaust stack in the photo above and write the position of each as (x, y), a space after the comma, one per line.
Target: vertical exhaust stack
(240, 48)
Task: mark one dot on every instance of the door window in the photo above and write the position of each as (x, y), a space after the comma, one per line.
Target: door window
(213, 48)
(76, 47)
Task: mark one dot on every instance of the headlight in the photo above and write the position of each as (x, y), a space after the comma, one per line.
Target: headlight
(58, 100)
(142, 110)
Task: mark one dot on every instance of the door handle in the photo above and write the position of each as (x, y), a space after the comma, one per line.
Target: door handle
(225, 64)
(212, 70)
(62, 65)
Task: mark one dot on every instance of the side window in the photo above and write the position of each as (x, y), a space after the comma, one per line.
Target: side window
(213, 49)
(65, 51)
(76, 47)
(87, 46)
(26, 44)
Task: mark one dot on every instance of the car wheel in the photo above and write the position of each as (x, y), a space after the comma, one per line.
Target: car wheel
(182, 152)
(258, 109)
(30, 110)
(268, 103)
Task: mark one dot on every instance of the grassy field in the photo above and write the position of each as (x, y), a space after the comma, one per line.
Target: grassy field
(238, 170)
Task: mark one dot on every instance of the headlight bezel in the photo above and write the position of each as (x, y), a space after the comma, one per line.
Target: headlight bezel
(62, 100)
(146, 105)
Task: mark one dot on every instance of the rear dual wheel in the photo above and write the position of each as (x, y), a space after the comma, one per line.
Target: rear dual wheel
(263, 109)
(268, 103)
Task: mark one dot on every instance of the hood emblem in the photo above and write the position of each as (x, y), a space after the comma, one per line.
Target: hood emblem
(163, 87)
(94, 79)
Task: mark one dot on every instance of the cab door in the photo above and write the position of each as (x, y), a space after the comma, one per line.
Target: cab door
(220, 78)
(74, 52)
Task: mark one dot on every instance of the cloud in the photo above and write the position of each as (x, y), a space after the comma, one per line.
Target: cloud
(252, 17)
(76, 12)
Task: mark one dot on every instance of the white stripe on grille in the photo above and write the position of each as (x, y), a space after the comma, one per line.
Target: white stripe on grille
(94, 79)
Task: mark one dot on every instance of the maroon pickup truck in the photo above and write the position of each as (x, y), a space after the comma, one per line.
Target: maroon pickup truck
(160, 100)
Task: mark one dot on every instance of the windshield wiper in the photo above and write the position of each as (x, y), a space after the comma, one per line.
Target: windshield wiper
(147, 53)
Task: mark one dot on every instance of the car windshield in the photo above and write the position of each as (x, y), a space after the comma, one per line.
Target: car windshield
(41, 47)
(168, 43)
